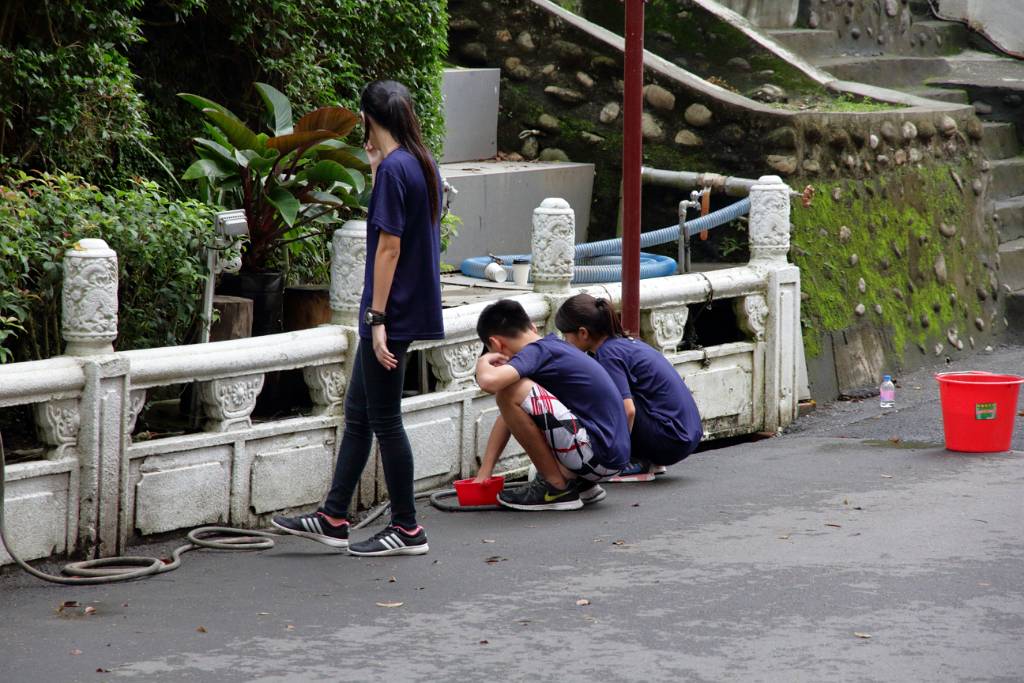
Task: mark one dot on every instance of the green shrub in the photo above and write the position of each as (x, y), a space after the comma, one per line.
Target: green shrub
(158, 243)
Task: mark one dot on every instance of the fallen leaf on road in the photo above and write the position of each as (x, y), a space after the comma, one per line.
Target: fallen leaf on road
(263, 614)
(90, 610)
(619, 542)
(598, 540)
(582, 602)
(483, 642)
(392, 579)
(838, 526)
(865, 636)
(487, 540)
(390, 604)
(857, 507)
(895, 439)
(886, 476)
(636, 505)
(984, 584)
(76, 652)
(495, 559)
(845, 501)
(101, 670)
(784, 538)
(201, 629)
(289, 627)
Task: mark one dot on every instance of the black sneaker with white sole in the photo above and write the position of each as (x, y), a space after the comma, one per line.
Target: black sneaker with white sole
(392, 540)
(590, 491)
(314, 526)
(540, 495)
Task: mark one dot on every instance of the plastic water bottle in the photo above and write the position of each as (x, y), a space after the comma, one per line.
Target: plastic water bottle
(887, 393)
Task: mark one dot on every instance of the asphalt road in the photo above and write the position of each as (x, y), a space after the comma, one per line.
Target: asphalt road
(853, 548)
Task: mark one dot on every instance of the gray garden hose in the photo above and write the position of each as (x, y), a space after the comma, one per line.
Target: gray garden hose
(114, 569)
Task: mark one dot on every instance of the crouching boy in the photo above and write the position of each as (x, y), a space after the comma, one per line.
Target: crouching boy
(558, 402)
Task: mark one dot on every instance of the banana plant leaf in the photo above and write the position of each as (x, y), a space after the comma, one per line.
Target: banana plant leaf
(338, 120)
(278, 108)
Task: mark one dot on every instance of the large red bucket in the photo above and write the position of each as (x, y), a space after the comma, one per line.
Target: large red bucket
(978, 410)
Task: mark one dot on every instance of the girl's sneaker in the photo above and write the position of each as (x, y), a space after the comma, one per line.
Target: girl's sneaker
(636, 470)
(392, 540)
(314, 526)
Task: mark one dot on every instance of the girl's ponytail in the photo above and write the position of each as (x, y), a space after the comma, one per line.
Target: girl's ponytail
(597, 316)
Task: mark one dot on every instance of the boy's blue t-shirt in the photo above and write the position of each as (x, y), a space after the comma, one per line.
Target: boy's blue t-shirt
(400, 206)
(643, 374)
(576, 379)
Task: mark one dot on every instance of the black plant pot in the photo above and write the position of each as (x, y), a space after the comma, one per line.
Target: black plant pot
(267, 293)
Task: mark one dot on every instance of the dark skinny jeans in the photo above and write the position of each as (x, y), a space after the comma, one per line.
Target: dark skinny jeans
(373, 406)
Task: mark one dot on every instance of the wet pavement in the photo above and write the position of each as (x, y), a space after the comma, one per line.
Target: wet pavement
(852, 548)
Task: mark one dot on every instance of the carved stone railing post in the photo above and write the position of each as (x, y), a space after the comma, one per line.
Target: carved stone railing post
(326, 384)
(228, 403)
(348, 262)
(89, 305)
(57, 424)
(663, 328)
(774, 320)
(769, 221)
(454, 365)
(553, 246)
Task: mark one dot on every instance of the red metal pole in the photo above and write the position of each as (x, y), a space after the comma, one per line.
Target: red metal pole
(632, 156)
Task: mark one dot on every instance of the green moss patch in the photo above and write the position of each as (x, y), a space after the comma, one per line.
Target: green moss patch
(892, 241)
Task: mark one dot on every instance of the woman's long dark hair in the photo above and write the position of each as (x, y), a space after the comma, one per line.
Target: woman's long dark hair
(389, 104)
(597, 316)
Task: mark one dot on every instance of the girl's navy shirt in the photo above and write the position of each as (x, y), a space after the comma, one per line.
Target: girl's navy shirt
(400, 206)
(643, 374)
(578, 381)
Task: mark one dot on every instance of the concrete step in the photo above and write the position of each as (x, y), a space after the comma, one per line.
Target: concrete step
(1000, 140)
(1015, 315)
(806, 42)
(1011, 264)
(1009, 215)
(940, 94)
(887, 71)
(1007, 178)
(953, 34)
(496, 200)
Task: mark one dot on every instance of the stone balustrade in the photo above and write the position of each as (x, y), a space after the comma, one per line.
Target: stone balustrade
(96, 488)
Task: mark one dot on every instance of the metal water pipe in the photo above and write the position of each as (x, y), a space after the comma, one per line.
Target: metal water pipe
(632, 159)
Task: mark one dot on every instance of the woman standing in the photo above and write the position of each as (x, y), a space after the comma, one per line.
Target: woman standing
(664, 425)
(401, 303)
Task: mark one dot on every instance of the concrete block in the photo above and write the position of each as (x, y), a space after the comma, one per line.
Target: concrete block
(180, 498)
(1010, 213)
(766, 13)
(483, 423)
(435, 437)
(36, 517)
(496, 202)
(1007, 178)
(860, 358)
(806, 42)
(470, 100)
(1011, 264)
(290, 478)
(999, 140)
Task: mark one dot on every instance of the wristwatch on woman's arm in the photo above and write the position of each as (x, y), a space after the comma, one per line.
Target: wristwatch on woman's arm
(373, 317)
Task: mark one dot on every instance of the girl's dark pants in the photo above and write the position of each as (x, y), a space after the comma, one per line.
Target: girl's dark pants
(373, 406)
(650, 442)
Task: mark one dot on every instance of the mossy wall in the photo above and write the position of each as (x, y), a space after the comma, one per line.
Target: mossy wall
(898, 252)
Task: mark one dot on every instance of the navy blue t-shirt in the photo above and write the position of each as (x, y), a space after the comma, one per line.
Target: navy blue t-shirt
(400, 206)
(643, 374)
(576, 379)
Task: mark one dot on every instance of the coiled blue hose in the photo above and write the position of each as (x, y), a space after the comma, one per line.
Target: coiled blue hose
(651, 265)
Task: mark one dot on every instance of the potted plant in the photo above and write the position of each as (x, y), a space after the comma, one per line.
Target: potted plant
(294, 183)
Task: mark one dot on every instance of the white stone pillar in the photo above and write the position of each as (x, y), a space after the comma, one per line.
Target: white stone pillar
(769, 221)
(553, 246)
(348, 263)
(89, 306)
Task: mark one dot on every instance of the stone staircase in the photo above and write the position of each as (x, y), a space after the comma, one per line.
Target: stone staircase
(946, 64)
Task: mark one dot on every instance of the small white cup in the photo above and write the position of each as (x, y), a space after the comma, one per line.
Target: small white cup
(521, 273)
(495, 272)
